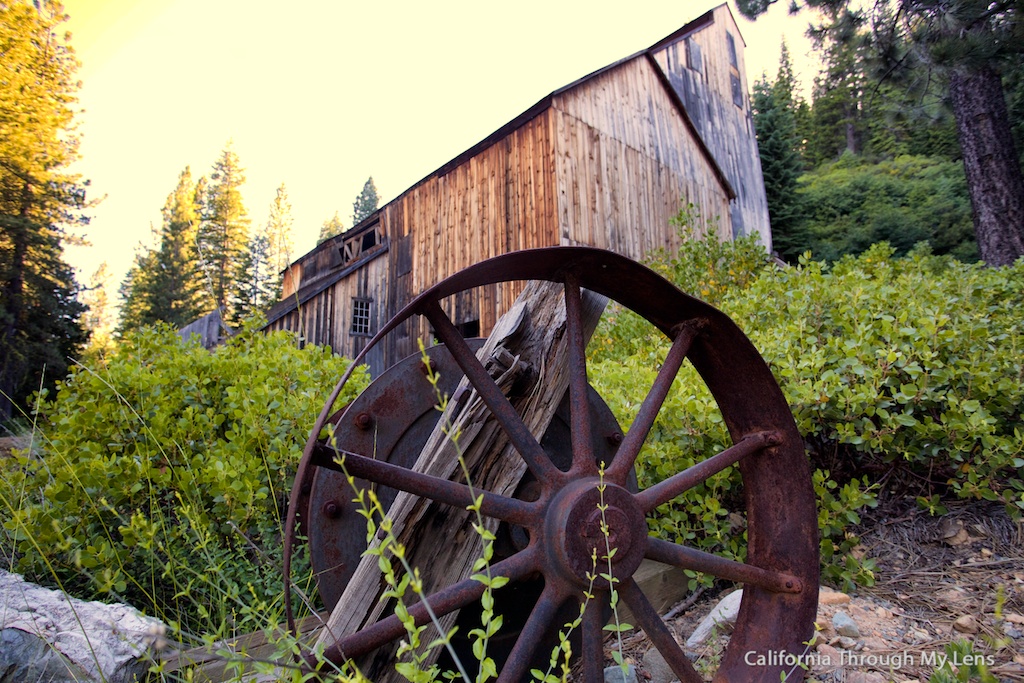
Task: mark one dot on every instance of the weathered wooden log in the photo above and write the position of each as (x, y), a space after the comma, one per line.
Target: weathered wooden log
(526, 354)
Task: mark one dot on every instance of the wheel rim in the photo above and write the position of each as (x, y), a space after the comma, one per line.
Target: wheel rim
(780, 574)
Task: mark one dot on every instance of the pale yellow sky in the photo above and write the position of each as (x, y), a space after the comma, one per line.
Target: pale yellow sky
(318, 95)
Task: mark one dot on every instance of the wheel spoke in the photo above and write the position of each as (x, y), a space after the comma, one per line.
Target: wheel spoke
(442, 602)
(593, 638)
(641, 427)
(658, 632)
(698, 560)
(695, 474)
(518, 433)
(424, 485)
(579, 405)
(544, 612)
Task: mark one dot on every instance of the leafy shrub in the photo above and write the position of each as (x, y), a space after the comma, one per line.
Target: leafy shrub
(162, 477)
(890, 365)
(851, 204)
(913, 364)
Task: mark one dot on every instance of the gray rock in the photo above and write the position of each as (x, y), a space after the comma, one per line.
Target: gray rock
(47, 636)
(848, 643)
(845, 626)
(657, 668)
(25, 657)
(613, 674)
(723, 616)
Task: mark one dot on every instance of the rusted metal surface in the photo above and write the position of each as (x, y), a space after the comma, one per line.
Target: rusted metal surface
(567, 511)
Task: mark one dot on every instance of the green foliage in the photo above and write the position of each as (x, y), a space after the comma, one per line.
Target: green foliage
(852, 204)
(161, 478)
(963, 665)
(224, 231)
(911, 365)
(331, 227)
(366, 202)
(165, 284)
(39, 313)
(914, 362)
(775, 121)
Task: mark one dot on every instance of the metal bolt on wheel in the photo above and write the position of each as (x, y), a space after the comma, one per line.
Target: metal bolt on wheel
(559, 514)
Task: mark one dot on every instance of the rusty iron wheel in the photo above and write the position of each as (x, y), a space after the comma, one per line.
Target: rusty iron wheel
(780, 574)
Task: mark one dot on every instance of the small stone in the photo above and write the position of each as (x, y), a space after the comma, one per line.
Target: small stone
(827, 596)
(657, 668)
(883, 613)
(921, 636)
(845, 626)
(1013, 618)
(985, 552)
(966, 624)
(1012, 632)
(848, 643)
(874, 643)
(613, 674)
(828, 656)
(722, 617)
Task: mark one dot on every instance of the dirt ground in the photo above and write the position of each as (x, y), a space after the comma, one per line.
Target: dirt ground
(939, 579)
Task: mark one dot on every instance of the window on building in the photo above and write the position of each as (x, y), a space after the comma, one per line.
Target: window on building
(353, 248)
(361, 317)
(737, 90)
(731, 43)
(694, 60)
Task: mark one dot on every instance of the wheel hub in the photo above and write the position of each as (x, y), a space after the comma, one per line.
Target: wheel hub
(587, 528)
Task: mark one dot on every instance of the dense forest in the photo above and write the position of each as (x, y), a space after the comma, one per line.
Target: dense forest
(912, 132)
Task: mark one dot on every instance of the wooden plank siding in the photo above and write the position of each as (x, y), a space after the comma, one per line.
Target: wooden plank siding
(620, 184)
(724, 126)
(496, 201)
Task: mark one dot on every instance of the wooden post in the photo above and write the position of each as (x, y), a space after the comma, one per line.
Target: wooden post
(527, 355)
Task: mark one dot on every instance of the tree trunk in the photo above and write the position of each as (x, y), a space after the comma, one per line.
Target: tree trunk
(12, 368)
(528, 350)
(991, 163)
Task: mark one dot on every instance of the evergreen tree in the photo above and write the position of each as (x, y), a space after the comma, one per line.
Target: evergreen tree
(99, 315)
(166, 283)
(278, 229)
(837, 113)
(224, 231)
(136, 290)
(971, 44)
(267, 254)
(331, 227)
(774, 111)
(40, 315)
(366, 203)
(180, 294)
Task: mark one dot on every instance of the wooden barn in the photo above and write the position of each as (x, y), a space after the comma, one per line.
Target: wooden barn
(605, 161)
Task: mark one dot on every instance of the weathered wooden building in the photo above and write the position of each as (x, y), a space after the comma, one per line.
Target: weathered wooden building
(605, 161)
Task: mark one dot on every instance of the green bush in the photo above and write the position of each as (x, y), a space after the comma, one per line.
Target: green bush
(907, 366)
(161, 478)
(851, 204)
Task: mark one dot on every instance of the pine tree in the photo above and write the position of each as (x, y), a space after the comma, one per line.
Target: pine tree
(99, 315)
(40, 315)
(278, 230)
(365, 203)
(775, 123)
(181, 296)
(224, 231)
(166, 283)
(331, 227)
